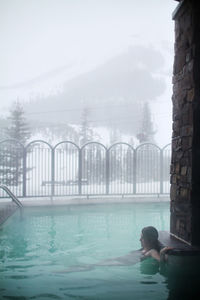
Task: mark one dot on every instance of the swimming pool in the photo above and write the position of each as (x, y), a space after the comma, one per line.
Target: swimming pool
(47, 240)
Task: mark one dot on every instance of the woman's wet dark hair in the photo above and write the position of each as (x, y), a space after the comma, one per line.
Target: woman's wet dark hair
(150, 235)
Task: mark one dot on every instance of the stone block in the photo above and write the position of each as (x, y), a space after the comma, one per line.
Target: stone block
(185, 119)
(188, 81)
(184, 181)
(186, 143)
(174, 143)
(176, 128)
(173, 192)
(177, 225)
(172, 204)
(180, 61)
(182, 43)
(177, 77)
(189, 174)
(179, 155)
(189, 54)
(183, 193)
(184, 170)
(190, 95)
(186, 107)
(176, 89)
(181, 208)
(173, 179)
(184, 161)
(182, 228)
(186, 131)
(177, 30)
(176, 116)
(177, 168)
(185, 22)
(171, 168)
(190, 65)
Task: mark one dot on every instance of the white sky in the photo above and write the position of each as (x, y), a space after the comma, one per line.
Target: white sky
(38, 36)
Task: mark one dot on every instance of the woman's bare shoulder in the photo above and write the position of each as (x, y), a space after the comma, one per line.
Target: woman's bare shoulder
(153, 253)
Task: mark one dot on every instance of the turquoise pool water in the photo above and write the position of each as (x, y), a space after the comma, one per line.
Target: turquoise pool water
(33, 251)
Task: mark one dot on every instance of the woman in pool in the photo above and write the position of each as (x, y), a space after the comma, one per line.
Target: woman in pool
(151, 247)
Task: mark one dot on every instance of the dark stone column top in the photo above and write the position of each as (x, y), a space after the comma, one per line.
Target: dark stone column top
(177, 9)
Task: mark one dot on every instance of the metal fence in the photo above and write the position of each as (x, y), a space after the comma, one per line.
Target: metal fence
(39, 169)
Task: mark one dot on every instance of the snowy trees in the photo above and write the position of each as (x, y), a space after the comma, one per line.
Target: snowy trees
(18, 128)
(90, 155)
(147, 158)
(11, 157)
(86, 133)
(147, 131)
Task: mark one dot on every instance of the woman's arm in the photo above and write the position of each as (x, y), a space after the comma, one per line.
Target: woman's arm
(161, 257)
(153, 253)
(163, 253)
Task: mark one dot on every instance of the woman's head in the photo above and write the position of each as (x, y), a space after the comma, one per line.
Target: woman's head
(149, 238)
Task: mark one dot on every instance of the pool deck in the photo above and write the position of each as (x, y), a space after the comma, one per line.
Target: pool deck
(76, 200)
(6, 203)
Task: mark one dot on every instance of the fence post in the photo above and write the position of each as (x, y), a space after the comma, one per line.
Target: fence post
(52, 172)
(161, 171)
(80, 172)
(107, 172)
(24, 172)
(134, 171)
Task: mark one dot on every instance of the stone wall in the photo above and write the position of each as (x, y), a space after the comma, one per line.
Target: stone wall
(185, 166)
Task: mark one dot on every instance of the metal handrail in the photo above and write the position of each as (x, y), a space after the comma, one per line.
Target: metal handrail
(14, 198)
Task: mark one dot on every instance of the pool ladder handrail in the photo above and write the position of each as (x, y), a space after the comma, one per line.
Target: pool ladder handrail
(14, 198)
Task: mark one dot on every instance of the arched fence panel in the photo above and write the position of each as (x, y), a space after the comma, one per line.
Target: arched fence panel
(93, 169)
(11, 166)
(66, 169)
(121, 169)
(38, 169)
(166, 161)
(148, 169)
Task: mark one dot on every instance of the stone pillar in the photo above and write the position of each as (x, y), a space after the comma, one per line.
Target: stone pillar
(185, 164)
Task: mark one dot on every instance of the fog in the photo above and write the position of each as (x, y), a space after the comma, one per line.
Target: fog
(59, 56)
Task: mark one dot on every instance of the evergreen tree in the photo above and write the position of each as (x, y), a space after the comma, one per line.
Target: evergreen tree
(91, 156)
(3, 125)
(147, 165)
(11, 153)
(147, 131)
(86, 133)
(97, 164)
(18, 128)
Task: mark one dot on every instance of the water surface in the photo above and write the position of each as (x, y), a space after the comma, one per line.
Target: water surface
(49, 240)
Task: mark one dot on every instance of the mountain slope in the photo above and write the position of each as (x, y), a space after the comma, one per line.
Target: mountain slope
(114, 92)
